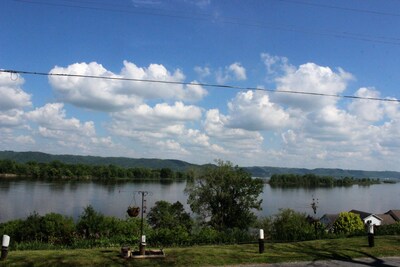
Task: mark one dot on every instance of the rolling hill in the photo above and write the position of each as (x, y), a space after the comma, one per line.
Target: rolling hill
(178, 165)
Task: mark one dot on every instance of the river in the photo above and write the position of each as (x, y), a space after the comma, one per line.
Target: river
(19, 198)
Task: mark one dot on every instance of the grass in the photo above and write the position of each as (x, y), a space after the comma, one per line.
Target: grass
(346, 249)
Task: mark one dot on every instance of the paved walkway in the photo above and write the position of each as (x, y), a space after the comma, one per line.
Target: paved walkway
(384, 262)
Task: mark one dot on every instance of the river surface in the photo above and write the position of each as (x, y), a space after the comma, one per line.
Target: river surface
(19, 198)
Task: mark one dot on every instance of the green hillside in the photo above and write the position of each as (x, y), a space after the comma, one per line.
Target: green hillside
(337, 173)
(178, 165)
(23, 157)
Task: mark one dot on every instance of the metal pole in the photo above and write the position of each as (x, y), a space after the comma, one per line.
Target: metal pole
(142, 243)
(141, 226)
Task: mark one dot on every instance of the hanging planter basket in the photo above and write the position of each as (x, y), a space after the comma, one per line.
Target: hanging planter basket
(133, 211)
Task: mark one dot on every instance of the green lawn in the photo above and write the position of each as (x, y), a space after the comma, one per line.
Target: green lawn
(345, 249)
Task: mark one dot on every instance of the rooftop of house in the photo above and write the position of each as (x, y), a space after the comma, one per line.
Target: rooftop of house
(330, 217)
(386, 219)
(395, 214)
(362, 214)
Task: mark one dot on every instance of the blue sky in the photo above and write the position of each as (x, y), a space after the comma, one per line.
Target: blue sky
(328, 47)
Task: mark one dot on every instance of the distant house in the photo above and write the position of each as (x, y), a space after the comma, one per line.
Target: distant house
(328, 220)
(395, 214)
(386, 219)
(366, 216)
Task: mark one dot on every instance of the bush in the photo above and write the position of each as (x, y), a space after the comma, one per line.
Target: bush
(53, 229)
(205, 235)
(391, 229)
(235, 235)
(265, 223)
(57, 229)
(348, 223)
(32, 228)
(167, 215)
(13, 229)
(289, 225)
(170, 236)
(91, 224)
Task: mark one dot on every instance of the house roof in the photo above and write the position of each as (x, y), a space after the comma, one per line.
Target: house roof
(395, 214)
(386, 219)
(362, 214)
(331, 217)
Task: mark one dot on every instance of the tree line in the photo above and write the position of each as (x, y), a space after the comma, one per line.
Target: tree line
(168, 224)
(312, 180)
(223, 200)
(60, 170)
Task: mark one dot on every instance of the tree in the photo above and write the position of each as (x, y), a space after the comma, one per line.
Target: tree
(289, 225)
(348, 223)
(225, 195)
(90, 223)
(171, 224)
(167, 215)
(166, 173)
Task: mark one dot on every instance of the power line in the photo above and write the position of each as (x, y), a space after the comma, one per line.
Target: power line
(101, 6)
(366, 11)
(234, 87)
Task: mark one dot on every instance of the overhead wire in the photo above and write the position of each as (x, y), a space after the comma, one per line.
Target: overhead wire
(233, 87)
(366, 11)
(225, 20)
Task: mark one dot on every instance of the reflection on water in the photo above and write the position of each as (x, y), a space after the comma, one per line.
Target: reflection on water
(19, 198)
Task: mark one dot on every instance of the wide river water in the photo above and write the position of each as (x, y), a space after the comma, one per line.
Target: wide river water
(19, 198)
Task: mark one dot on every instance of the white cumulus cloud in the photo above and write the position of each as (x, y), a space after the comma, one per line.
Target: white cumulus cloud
(51, 119)
(235, 141)
(113, 95)
(311, 78)
(367, 109)
(13, 97)
(161, 116)
(253, 110)
(233, 72)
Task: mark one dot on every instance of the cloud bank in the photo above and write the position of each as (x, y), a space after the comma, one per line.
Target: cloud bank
(138, 118)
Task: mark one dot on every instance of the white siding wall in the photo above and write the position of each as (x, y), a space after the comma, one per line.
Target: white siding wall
(374, 220)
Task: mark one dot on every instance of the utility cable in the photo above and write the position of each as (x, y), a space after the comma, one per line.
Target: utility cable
(225, 20)
(367, 11)
(233, 87)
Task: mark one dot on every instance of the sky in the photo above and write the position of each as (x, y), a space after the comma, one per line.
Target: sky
(346, 48)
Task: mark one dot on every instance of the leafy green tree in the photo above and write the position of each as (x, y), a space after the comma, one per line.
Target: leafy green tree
(289, 225)
(32, 228)
(167, 215)
(166, 173)
(90, 223)
(170, 222)
(348, 223)
(226, 196)
(57, 229)
(8, 166)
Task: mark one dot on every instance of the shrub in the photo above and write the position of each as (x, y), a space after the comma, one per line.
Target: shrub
(91, 223)
(13, 229)
(348, 223)
(52, 228)
(265, 223)
(170, 236)
(391, 229)
(57, 229)
(167, 215)
(289, 225)
(205, 235)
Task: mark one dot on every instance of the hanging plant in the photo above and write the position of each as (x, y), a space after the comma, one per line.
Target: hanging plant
(133, 211)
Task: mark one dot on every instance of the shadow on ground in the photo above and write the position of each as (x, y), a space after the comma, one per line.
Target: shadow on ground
(329, 251)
